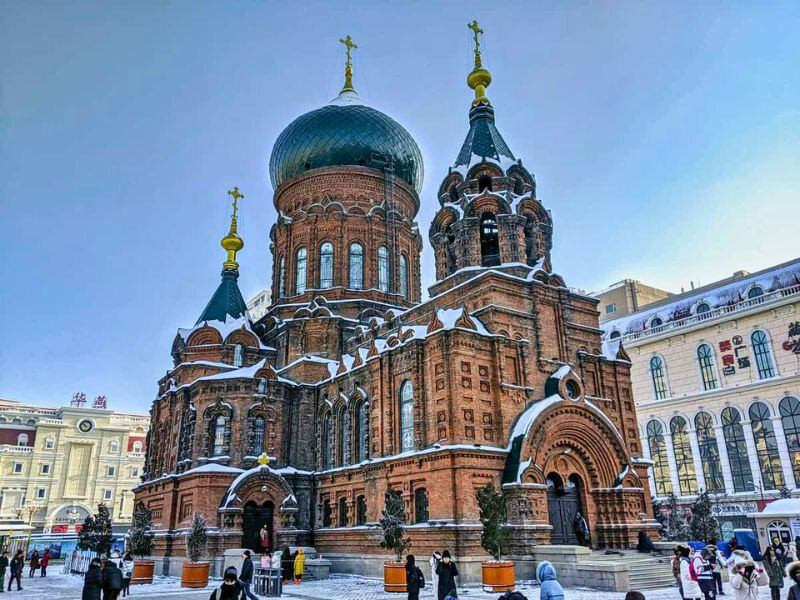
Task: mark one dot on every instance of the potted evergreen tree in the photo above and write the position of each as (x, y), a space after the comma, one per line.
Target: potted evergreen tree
(195, 572)
(703, 525)
(394, 538)
(497, 575)
(141, 544)
(96, 534)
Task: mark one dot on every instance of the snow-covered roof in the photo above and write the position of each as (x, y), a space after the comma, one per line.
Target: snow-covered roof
(225, 328)
(213, 468)
(785, 507)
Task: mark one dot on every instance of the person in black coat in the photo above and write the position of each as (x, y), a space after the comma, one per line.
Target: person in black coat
(447, 572)
(112, 581)
(415, 581)
(287, 565)
(93, 582)
(246, 577)
(17, 564)
(231, 588)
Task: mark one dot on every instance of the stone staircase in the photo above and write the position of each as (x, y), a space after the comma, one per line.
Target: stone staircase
(644, 572)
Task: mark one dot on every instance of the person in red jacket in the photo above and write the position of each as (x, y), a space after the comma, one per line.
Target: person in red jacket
(45, 561)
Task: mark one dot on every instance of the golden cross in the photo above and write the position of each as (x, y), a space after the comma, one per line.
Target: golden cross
(475, 31)
(349, 44)
(236, 195)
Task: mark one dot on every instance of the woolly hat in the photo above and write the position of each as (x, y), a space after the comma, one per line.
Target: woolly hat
(792, 568)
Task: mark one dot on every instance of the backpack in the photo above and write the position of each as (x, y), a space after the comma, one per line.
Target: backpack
(420, 578)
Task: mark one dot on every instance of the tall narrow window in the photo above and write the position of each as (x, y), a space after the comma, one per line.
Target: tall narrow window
(657, 375)
(490, 246)
(737, 450)
(383, 269)
(766, 368)
(238, 355)
(282, 278)
(327, 441)
(406, 416)
(658, 454)
(403, 276)
(326, 266)
(300, 272)
(769, 459)
(344, 436)
(326, 513)
(789, 408)
(220, 431)
(257, 436)
(421, 505)
(705, 360)
(683, 456)
(356, 266)
(361, 432)
(342, 512)
(709, 452)
(361, 510)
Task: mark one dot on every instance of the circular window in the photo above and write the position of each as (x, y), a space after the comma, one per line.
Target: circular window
(85, 426)
(573, 389)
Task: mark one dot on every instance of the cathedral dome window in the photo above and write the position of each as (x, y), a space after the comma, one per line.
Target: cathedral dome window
(383, 269)
(490, 247)
(403, 276)
(238, 355)
(220, 435)
(282, 278)
(343, 422)
(406, 416)
(485, 183)
(361, 431)
(342, 512)
(356, 266)
(326, 266)
(327, 441)
(300, 271)
(257, 436)
(361, 510)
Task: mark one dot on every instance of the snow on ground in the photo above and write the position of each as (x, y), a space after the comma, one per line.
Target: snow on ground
(68, 587)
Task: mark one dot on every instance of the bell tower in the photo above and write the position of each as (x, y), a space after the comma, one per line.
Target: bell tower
(489, 216)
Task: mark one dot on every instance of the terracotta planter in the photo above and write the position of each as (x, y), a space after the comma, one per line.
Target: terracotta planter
(394, 576)
(142, 572)
(194, 574)
(498, 576)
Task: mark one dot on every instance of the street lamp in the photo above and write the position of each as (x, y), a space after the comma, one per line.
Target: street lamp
(29, 510)
(760, 487)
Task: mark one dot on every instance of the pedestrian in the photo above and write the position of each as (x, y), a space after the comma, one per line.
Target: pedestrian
(797, 546)
(3, 568)
(276, 562)
(415, 580)
(676, 568)
(793, 571)
(447, 572)
(746, 579)
(93, 581)
(791, 552)
(16, 566)
(126, 566)
(581, 529)
(780, 550)
(112, 580)
(645, 544)
(738, 556)
(704, 573)
(717, 560)
(634, 595)
(287, 565)
(433, 561)
(774, 570)
(45, 561)
(266, 559)
(246, 578)
(34, 563)
(549, 588)
(230, 589)
(691, 589)
(299, 566)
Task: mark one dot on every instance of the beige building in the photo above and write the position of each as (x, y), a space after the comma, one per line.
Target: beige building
(716, 379)
(58, 464)
(625, 297)
(257, 306)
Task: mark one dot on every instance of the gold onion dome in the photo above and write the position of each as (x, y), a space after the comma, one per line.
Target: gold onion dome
(479, 78)
(232, 243)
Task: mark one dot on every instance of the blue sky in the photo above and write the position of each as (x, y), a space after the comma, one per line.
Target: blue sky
(665, 138)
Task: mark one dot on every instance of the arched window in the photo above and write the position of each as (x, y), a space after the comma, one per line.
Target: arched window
(789, 408)
(656, 322)
(709, 452)
(450, 248)
(300, 272)
(658, 377)
(406, 416)
(769, 459)
(361, 432)
(682, 449)
(737, 450)
(22, 439)
(326, 513)
(490, 245)
(282, 278)
(327, 441)
(485, 183)
(220, 435)
(705, 360)
(403, 276)
(344, 436)
(383, 268)
(361, 510)
(755, 292)
(137, 446)
(238, 355)
(614, 335)
(421, 505)
(113, 446)
(257, 435)
(342, 512)
(760, 341)
(703, 308)
(356, 266)
(658, 454)
(326, 266)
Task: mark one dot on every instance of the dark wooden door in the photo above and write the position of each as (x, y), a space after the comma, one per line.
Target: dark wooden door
(563, 505)
(254, 518)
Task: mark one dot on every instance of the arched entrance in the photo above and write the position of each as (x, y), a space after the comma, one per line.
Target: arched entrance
(563, 504)
(255, 517)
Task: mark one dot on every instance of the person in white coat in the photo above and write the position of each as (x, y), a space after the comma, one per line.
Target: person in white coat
(746, 579)
(691, 589)
(276, 561)
(434, 562)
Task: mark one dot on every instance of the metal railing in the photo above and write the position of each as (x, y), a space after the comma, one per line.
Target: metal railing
(714, 313)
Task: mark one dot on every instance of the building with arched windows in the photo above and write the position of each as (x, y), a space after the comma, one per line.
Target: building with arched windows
(351, 385)
(716, 378)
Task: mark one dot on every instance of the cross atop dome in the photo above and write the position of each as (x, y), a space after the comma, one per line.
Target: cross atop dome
(349, 44)
(479, 78)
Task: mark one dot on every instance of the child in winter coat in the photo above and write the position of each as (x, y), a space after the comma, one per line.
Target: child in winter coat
(745, 580)
(550, 588)
(793, 571)
(299, 566)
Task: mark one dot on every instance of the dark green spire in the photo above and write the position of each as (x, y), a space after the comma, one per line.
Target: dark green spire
(483, 140)
(226, 302)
